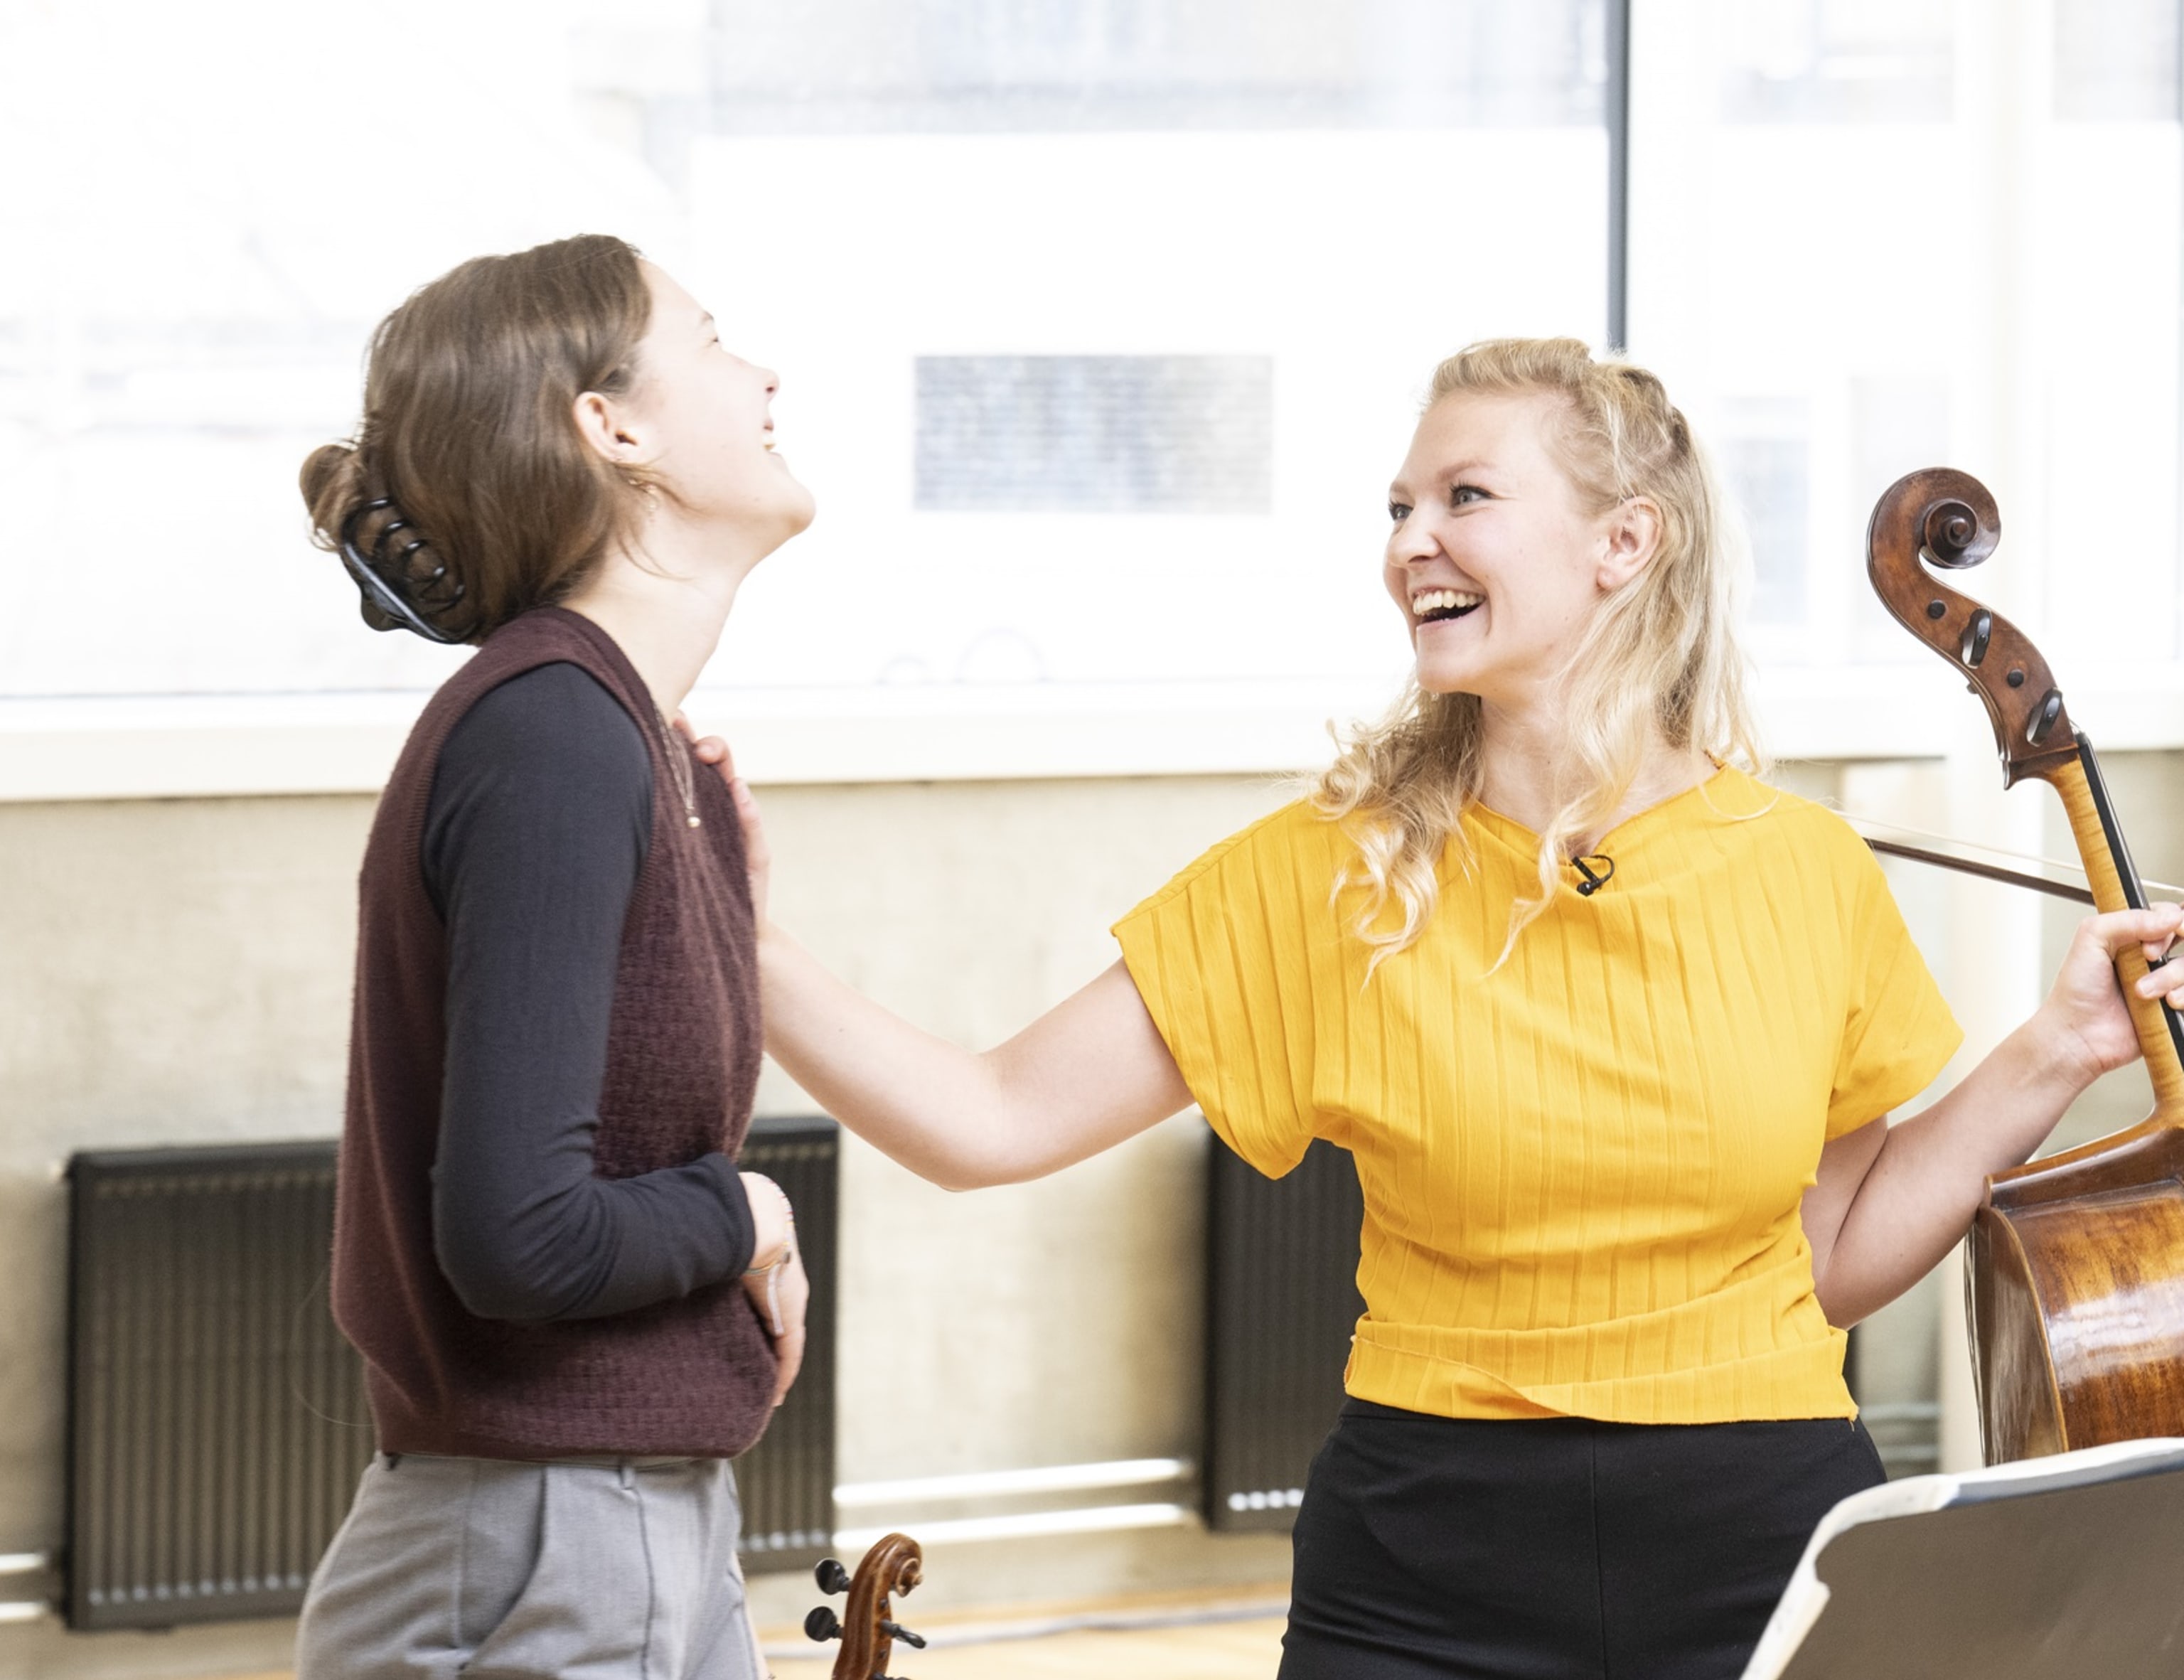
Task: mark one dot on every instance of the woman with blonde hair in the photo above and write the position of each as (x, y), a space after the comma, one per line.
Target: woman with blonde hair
(1613, 1030)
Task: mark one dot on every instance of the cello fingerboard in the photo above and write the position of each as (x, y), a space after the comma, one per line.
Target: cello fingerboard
(2116, 884)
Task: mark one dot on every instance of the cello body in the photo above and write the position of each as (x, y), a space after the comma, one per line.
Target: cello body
(2075, 1287)
(2075, 1264)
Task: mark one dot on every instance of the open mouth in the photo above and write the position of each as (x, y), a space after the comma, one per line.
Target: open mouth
(1436, 606)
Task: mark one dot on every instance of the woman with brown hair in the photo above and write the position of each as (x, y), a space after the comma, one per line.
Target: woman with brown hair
(573, 1310)
(1612, 1030)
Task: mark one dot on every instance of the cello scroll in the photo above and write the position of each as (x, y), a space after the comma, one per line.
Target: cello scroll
(1941, 518)
(1948, 519)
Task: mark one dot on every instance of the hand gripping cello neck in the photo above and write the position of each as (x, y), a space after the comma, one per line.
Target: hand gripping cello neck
(2075, 1269)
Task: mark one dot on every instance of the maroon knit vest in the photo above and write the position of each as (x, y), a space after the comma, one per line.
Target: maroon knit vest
(693, 1376)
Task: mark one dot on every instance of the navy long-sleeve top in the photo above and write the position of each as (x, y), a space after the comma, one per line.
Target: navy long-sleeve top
(538, 824)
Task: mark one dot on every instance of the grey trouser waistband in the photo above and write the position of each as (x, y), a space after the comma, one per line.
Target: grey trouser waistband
(601, 1460)
(448, 1567)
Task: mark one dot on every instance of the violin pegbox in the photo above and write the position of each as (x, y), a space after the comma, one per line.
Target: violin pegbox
(892, 1567)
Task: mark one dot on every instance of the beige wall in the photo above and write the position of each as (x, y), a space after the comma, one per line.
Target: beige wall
(170, 973)
(178, 972)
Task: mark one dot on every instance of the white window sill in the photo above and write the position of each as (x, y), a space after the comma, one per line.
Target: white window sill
(200, 746)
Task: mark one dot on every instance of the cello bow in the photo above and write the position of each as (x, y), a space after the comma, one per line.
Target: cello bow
(2075, 1264)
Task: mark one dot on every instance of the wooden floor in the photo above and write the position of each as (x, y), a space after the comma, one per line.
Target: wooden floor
(1222, 1651)
(1243, 1649)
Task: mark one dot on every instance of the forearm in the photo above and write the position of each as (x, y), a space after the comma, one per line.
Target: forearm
(525, 1230)
(1918, 1196)
(936, 1107)
(1088, 1074)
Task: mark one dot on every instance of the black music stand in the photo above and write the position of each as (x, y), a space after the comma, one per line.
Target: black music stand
(2061, 1568)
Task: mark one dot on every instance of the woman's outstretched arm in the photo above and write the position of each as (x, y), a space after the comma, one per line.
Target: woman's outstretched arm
(1089, 1072)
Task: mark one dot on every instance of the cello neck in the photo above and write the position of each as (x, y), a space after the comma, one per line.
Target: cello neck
(2115, 886)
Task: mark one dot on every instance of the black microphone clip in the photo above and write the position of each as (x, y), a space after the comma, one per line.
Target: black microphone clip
(1593, 881)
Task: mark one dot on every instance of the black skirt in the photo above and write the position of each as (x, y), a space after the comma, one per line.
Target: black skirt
(1559, 1548)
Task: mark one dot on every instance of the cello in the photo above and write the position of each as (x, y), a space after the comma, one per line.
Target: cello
(2074, 1264)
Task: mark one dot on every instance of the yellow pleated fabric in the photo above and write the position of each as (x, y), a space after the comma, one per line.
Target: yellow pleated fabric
(1582, 1170)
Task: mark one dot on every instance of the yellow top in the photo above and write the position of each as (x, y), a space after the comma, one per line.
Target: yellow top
(1582, 1170)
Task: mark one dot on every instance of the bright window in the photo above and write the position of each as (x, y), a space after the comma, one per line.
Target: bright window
(1873, 236)
(1101, 322)
(1101, 325)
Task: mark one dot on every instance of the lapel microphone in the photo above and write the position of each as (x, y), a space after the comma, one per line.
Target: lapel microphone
(1594, 879)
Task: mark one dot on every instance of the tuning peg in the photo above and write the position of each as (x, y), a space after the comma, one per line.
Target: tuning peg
(917, 1640)
(831, 1576)
(823, 1624)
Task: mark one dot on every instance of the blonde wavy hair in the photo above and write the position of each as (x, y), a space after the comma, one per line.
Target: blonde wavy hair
(1660, 653)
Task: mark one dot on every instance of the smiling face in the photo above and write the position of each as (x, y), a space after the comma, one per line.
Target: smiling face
(699, 417)
(1495, 561)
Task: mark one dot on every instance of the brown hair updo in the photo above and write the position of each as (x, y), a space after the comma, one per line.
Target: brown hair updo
(466, 489)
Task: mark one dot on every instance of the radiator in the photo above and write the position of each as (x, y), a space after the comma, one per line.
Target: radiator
(216, 1418)
(786, 1483)
(217, 1423)
(1281, 1304)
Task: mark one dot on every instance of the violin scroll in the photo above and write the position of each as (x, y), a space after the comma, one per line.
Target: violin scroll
(894, 1564)
(1946, 519)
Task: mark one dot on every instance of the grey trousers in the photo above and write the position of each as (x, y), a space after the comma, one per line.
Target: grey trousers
(612, 1570)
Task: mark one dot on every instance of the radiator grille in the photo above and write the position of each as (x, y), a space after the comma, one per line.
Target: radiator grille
(786, 1483)
(1282, 1302)
(217, 1419)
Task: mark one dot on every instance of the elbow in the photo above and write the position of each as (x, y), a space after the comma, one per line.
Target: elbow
(532, 1261)
(956, 1165)
(987, 1169)
(957, 1176)
(489, 1294)
(490, 1281)
(1842, 1305)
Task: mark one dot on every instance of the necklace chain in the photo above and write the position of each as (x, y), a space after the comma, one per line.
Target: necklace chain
(678, 761)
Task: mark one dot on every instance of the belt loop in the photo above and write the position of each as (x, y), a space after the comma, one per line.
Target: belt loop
(392, 1459)
(628, 1475)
